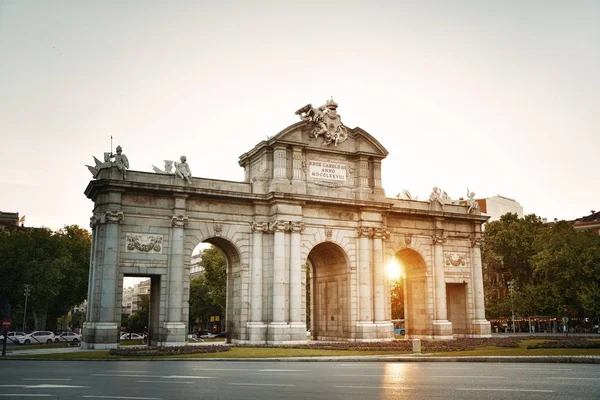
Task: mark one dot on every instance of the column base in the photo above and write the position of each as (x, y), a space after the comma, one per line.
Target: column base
(480, 328)
(256, 333)
(100, 335)
(442, 329)
(172, 334)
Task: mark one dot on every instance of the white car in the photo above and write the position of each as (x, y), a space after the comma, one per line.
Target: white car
(68, 337)
(131, 336)
(12, 337)
(37, 337)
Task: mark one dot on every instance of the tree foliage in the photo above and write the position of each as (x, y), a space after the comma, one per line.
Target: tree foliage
(553, 266)
(55, 264)
(208, 291)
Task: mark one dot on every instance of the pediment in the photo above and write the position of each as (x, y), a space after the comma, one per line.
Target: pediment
(358, 142)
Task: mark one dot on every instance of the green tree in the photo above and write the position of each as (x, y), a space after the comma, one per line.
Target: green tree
(215, 272)
(397, 298)
(201, 306)
(47, 261)
(138, 321)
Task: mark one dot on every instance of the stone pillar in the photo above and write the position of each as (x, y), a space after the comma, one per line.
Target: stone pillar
(377, 174)
(279, 228)
(256, 327)
(479, 325)
(296, 229)
(378, 276)
(101, 331)
(173, 331)
(89, 315)
(442, 328)
(364, 275)
(256, 279)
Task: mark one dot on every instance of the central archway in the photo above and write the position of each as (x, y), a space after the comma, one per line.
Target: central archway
(329, 275)
(418, 320)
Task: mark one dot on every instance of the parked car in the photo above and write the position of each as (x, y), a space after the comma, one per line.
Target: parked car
(207, 335)
(131, 336)
(68, 337)
(37, 337)
(11, 337)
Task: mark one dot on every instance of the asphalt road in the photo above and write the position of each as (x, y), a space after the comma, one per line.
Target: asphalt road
(150, 380)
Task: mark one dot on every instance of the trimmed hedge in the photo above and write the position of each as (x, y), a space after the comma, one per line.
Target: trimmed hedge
(167, 351)
(567, 343)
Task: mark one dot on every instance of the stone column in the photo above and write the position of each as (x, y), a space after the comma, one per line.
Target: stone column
(480, 326)
(175, 273)
(297, 164)
(279, 228)
(378, 276)
(441, 326)
(364, 275)
(89, 315)
(377, 174)
(256, 278)
(108, 295)
(296, 229)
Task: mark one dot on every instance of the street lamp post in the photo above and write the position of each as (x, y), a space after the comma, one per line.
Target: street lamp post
(511, 285)
(27, 292)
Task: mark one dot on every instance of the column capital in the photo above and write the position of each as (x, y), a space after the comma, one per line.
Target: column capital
(259, 227)
(364, 231)
(476, 241)
(381, 233)
(297, 226)
(179, 221)
(113, 217)
(279, 226)
(439, 237)
(94, 220)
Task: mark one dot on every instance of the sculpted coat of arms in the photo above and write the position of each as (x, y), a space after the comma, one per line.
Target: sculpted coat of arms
(327, 122)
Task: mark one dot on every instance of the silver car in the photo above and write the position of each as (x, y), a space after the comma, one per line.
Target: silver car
(68, 337)
(37, 337)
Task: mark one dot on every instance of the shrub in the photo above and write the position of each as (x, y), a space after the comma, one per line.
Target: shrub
(167, 351)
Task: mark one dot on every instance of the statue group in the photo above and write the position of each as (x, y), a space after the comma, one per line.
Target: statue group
(327, 122)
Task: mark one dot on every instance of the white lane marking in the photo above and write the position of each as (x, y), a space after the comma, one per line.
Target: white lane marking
(46, 379)
(359, 375)
(156, 376)
(545, 369)
(282, 370)
(162, 383)
(121, 397)
(376, 387)
(220, 369)
(504, 390)
(467, 376)
(574, 378)
(262, 384)
(25, 395)
(44, 386)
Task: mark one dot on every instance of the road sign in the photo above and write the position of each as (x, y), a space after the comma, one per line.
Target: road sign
(565, 320)
(6, 323)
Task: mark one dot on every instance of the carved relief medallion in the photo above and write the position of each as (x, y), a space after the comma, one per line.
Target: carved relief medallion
(455, 259)
(145, 243)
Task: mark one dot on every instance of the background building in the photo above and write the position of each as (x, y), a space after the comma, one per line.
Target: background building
(496, 206)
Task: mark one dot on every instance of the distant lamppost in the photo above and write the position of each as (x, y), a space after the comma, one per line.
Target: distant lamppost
(511, 286)
(27, 292)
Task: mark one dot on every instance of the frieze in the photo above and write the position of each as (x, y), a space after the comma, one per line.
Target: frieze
(329, 184)
(455, 259)
(137, 242)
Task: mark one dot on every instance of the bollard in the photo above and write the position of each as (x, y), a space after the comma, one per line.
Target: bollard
(416, 345)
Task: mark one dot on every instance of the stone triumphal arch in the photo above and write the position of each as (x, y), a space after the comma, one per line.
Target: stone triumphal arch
(311, 206)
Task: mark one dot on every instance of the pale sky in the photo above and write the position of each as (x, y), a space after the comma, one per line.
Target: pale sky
(502, 97)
